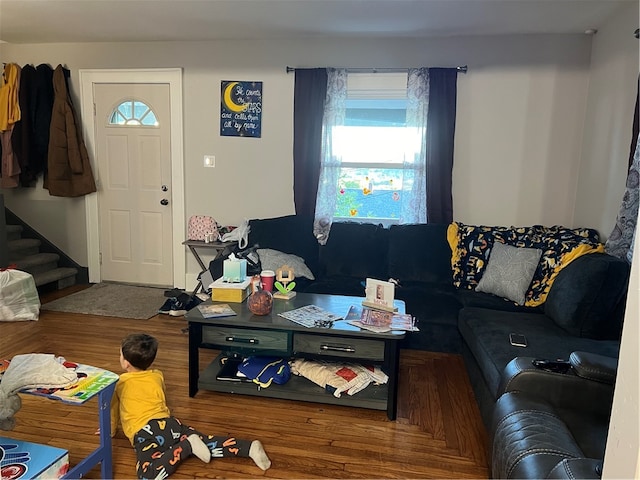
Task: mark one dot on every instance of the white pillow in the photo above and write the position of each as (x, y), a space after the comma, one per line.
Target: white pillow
(274, 259)
(509, 271)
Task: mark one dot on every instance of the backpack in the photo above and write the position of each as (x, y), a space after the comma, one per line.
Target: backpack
(203, 228)
(266, 370)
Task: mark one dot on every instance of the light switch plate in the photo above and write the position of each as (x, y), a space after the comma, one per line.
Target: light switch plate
(209, 160)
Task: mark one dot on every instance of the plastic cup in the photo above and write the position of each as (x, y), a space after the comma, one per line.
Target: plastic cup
(267, 277)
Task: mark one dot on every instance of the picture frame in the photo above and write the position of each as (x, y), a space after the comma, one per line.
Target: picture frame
(379, 294)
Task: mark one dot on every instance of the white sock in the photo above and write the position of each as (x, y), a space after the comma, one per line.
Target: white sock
(199, 448)
(258, 455)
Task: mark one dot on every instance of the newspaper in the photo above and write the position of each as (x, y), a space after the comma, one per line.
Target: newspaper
(311, 316)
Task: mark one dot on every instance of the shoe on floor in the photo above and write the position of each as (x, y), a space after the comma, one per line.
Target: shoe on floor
(166, 306)
(179, 308)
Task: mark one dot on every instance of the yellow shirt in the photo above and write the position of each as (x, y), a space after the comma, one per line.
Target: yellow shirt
(139, 397)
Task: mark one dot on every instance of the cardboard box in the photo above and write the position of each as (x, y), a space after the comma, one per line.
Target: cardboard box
(26, 460)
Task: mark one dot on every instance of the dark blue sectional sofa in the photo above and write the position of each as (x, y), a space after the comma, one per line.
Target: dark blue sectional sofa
(583, 311)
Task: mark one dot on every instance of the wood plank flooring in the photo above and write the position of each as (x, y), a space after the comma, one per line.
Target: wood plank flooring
(438, 433)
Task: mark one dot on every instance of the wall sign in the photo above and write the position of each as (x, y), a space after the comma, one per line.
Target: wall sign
(240, 109)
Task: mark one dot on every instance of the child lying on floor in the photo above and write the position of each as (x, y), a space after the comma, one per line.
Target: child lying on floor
(161, 441)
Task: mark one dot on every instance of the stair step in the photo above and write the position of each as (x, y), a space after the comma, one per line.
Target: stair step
(64, 276)
(18, 249)
(38, 263)
(14, 232)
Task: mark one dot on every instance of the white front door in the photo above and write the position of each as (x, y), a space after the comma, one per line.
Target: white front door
(133, 156)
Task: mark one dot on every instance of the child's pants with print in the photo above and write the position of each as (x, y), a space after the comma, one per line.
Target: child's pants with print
(162, 444)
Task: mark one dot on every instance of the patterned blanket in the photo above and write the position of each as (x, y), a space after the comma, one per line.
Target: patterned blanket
(471, 247)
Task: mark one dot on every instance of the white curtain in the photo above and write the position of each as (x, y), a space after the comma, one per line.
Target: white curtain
(413, 194)
(334, 116)
(414, 183)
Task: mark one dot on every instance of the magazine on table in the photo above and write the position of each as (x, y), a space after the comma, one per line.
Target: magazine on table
(216, 310)
(380, 321)
(311, 316)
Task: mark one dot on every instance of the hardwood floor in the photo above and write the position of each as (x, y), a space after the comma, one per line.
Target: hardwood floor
(438, 433)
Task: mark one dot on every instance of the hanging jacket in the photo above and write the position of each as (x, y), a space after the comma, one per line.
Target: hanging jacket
(9, 107)
(41, 107)
(22, 137)
(69, 169)
(9, 115)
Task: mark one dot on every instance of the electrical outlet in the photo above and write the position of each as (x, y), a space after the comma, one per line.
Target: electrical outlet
(210, 161)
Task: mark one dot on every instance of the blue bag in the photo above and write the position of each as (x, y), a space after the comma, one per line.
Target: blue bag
(266, 370)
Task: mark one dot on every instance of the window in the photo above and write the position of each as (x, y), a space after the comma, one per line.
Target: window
(374, 146)
(133, 113)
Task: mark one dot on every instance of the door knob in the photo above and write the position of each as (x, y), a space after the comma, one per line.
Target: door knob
(164, 201)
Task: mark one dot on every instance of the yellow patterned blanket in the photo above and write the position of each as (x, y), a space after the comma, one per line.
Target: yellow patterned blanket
(471, 246)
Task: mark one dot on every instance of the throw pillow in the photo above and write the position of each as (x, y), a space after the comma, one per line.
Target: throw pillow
(274, 259)
(509, 271)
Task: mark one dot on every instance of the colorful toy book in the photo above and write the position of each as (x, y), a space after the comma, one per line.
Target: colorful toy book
(91, 380)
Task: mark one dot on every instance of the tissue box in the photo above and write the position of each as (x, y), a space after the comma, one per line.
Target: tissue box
(234, 270)
(222, 291)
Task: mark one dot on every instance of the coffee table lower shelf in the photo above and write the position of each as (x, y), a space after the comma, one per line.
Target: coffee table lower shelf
(297, 388)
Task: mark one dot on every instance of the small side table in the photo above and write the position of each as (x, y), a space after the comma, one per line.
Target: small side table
(93, 382)
(218, 249)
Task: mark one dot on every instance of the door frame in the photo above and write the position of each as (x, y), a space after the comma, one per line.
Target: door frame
(172, 77)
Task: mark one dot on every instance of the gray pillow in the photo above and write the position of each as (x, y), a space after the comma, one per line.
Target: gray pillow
(509, 271)
(274, 259)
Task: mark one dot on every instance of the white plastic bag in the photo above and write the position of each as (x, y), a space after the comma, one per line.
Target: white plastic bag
(19, 298)
(239, 234)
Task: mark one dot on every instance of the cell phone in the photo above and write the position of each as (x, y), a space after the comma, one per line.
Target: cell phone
(517, 340)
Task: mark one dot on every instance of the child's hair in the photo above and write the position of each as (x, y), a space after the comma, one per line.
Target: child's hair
(139, 349)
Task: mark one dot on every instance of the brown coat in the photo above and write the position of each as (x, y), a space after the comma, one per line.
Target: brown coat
(69, 170)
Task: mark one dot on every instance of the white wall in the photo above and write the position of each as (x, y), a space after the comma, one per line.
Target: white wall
(520, 119)
(607, 131)
(518, 134)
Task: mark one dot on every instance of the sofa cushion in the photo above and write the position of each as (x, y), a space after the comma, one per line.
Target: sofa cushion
(356, 250)
(274, 260)
(289, 234)
(435, 308)
(509, 271)
(337, 285)
(486, 334)
(473, 298)
(419, 253)
(585, 295)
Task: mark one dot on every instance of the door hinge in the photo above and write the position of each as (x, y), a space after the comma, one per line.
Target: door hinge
(100, 258)
(94, 109)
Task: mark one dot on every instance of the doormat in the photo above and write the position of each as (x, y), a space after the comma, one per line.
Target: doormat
(112, 300)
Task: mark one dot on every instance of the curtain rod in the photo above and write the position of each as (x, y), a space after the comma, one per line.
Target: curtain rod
(460, 68)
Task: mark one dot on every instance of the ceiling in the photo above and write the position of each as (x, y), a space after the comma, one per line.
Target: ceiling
(52, 21)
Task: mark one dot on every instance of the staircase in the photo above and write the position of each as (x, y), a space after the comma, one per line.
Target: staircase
(26, 254)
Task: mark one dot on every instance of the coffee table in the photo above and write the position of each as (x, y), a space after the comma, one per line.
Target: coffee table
(248, 334)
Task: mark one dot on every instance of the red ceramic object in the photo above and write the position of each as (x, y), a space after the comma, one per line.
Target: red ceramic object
(260, 302)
